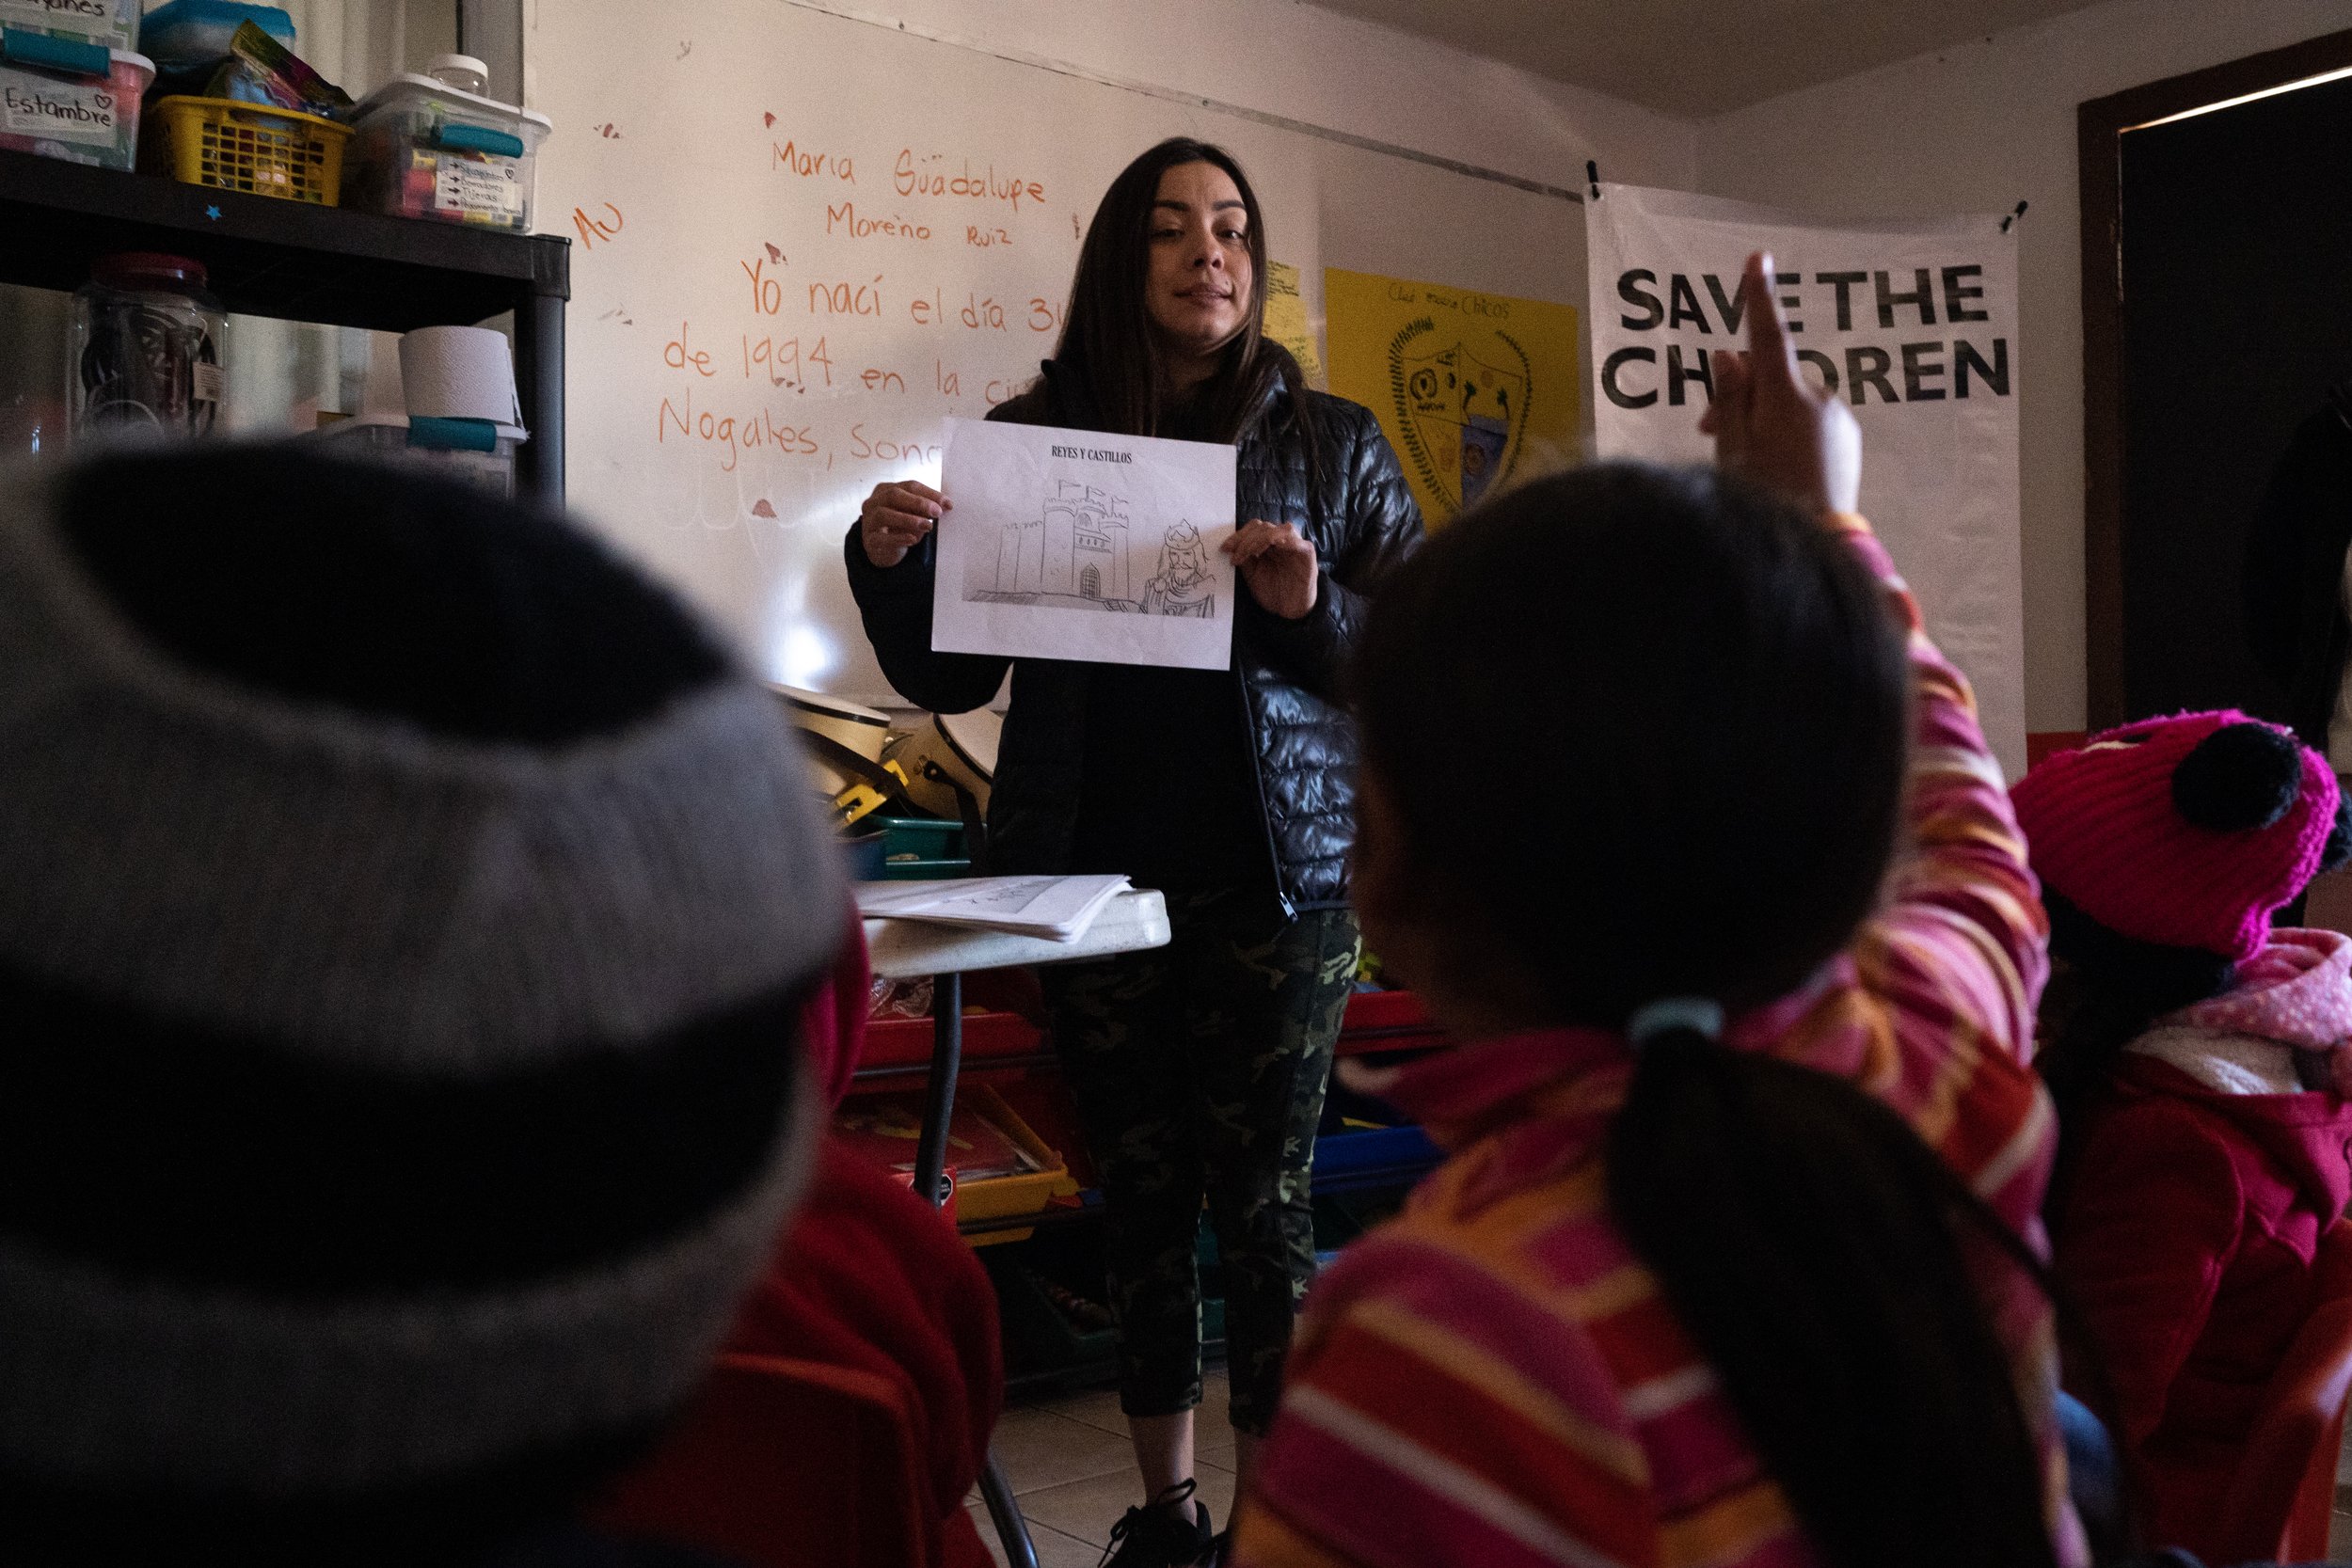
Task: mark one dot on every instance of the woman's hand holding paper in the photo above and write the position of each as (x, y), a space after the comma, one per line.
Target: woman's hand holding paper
(1278, 565)
(894, 518)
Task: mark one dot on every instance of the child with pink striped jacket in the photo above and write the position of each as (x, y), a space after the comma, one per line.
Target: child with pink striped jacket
(1732, 1259)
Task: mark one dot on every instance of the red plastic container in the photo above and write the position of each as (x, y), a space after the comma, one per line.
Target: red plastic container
(906, 1042)
(1387, 1021)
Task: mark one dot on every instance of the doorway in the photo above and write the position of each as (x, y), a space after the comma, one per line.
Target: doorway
(2218, 315)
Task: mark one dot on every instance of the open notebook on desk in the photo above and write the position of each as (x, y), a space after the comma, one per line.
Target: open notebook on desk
(1057, 908)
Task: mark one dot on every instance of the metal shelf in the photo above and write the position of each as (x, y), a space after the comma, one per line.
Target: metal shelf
(267, 257)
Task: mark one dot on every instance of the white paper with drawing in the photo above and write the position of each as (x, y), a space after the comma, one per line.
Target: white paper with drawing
(1068, 544)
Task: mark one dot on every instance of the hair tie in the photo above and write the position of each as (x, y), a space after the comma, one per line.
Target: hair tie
(1696, 1013)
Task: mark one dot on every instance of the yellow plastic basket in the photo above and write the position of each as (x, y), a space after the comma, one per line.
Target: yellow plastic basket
(232, 146)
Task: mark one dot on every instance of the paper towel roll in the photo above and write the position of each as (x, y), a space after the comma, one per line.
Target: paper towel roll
(458, 373)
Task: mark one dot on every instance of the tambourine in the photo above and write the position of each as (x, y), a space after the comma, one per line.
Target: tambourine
(859, 730)
(949, 757)
(845, 752)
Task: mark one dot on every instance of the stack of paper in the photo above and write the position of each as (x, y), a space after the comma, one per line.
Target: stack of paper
(1057, 908)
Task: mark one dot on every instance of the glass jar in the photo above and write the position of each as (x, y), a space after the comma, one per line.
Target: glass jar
(144, 349)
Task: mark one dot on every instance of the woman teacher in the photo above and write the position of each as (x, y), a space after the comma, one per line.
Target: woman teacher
(1198, 1070)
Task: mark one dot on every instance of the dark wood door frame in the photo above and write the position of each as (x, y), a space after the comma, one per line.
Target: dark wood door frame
(2100, 125)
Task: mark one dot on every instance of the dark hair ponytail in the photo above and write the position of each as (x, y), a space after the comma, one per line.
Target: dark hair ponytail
(1806, 1237)
(1712, 697)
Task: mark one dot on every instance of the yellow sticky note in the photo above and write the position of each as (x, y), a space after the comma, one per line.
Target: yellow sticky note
(1286, 319)
(1473, 390)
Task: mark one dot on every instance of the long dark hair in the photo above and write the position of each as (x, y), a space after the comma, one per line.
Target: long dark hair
(1109, 341)
(1708, 693)
(2108, 991)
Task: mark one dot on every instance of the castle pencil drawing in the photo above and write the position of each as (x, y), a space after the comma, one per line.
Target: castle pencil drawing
(1075, 546)
(1075, 552)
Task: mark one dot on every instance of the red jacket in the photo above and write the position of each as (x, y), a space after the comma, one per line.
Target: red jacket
(2186, 1240)
(869, 1277)
(833, 1020)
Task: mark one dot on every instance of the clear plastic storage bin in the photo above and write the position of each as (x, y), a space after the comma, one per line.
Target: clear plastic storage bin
(189, 39)
(63, 98)
(109, 24)
(467, 450)
(423, 148)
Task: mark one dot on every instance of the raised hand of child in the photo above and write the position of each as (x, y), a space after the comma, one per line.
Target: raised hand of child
(1769, 423)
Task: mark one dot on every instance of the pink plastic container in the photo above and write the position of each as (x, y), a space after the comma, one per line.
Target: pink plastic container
(80, 118)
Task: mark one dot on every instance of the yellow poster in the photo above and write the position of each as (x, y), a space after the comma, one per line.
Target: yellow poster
(1286, 319)
(1473, 390)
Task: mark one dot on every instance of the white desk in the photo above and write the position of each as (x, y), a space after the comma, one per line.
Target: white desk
(908, 949)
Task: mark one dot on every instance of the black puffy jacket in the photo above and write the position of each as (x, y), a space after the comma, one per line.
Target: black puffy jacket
(1290, 670)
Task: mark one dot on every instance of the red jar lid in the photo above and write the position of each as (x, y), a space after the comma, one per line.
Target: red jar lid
(135, 266)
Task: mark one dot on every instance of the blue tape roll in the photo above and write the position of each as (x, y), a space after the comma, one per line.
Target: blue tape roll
(43, 53)
(477, 138)
(439, 435)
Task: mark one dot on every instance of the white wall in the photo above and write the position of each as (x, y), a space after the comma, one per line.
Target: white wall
(1978, 128)
(1289, 58)
(1305, 99)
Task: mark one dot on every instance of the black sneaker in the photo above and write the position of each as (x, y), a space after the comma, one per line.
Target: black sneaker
(1172, 1531)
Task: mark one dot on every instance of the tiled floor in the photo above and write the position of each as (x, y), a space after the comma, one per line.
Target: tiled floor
(1071, 1469)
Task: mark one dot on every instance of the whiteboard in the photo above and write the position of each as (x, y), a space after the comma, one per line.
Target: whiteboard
(802, 241)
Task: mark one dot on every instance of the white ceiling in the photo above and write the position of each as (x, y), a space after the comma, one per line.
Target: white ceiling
(1700, 57)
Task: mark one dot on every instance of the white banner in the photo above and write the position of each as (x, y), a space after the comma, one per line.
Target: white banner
(1914, 322)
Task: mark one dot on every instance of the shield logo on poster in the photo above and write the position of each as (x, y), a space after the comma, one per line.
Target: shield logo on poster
(1463, 409)
(1474, 392)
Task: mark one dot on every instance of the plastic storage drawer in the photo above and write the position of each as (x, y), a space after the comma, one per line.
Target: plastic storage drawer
(906, 1042)
(70, 100)
(422, 149)
(109, 24)
(918, 848)
(488, 462)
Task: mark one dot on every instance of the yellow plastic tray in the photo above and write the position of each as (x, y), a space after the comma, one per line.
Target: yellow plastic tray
(1002, 1196)
(233, 146)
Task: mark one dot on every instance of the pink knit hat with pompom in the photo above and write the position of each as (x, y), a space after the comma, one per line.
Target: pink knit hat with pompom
(2185, 832)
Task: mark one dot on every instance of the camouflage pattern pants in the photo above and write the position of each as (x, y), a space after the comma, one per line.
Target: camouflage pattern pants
(1198, 1071)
